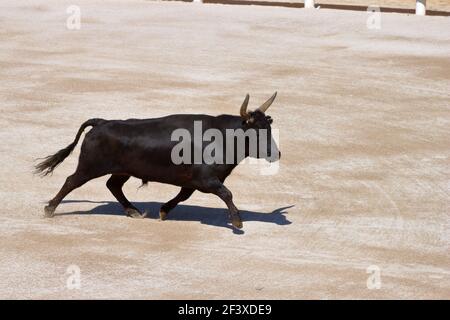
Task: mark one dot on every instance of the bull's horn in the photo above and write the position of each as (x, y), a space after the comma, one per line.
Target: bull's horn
(267, 104)
(243, 112)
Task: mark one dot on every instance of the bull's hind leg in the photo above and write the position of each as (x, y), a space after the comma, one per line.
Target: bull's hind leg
(74, 181)
(115, 184)
(183, 195)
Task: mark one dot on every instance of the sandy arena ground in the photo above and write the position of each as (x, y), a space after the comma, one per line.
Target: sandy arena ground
(364, 178)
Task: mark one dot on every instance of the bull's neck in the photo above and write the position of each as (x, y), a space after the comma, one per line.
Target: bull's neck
(227, 121)
(231, 122)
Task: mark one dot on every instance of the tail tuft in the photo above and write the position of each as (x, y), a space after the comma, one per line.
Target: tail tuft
(49, 164)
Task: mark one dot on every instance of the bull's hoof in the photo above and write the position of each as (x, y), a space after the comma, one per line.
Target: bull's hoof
(236, 222)
(133, 213)
(49, 211)
(162, 215)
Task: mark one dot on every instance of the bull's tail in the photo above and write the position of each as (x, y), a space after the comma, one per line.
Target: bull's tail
(51, 162)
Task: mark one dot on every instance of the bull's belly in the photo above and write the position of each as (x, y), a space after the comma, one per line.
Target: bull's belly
(157, 167)
(182, 176)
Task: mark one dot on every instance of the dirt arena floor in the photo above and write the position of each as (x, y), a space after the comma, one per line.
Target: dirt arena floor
(363, 183)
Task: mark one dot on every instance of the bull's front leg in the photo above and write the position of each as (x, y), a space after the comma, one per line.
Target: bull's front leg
(223, 193)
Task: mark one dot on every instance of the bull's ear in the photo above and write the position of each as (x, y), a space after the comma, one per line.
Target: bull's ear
(267, 104)
(243, 112)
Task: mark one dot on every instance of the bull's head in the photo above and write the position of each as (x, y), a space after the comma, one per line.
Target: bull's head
(261, 123)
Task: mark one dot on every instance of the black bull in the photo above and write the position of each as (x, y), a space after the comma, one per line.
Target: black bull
(143, 149)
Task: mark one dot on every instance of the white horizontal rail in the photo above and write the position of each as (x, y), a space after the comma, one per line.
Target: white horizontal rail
(420, 5)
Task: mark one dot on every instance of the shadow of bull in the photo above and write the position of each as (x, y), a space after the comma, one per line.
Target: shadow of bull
(210, 216)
